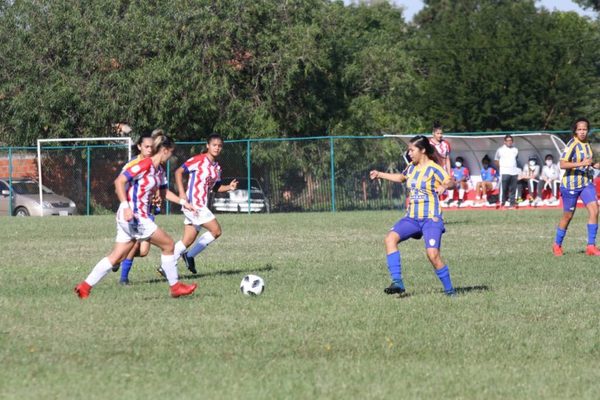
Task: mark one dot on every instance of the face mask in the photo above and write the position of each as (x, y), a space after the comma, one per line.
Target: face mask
(458, 164)
(549, 163)
(532, 163)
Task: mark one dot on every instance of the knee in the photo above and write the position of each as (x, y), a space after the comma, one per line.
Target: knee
(169, 247)
(390, 241)
(216, 232)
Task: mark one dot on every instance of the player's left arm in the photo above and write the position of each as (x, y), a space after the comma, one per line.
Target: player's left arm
(172, 197)
(227, 188)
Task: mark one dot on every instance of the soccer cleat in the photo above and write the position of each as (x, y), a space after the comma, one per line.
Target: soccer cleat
(181, 289)
(83, 290)
(190, 263)
(394, 288)
(451, 293)
(124, 282)
(115, 268)
(557, 250)
(161, 272)
(592, 250)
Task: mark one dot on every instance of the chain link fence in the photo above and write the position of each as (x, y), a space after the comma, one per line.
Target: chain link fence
(282, 175)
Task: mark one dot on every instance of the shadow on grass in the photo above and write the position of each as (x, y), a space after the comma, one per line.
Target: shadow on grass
(468, 289)
(267, 267)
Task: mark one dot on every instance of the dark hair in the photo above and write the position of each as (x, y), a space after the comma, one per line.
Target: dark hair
(508, 136)
(160, 140)
(485, 159)
(574, 126)
(422, 143)
(145, 135)
(549, 156)
(213, 136)
(437, 125)
(460, 159)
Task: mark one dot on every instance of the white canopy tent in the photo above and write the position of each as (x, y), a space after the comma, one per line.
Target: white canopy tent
(472, 148)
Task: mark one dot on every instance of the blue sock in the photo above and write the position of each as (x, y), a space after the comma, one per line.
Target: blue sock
(592, 231)
(560, 236)
(444, 275)
(125, 267)
(395, 268)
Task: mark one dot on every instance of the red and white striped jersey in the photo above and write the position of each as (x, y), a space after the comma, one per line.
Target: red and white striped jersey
(143, 180)
(204, 174)
(443, 150)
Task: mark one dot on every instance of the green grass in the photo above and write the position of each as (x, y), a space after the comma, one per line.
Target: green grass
(525, 324)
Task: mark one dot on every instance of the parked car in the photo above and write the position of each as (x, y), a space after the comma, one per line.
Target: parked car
(26, 200)
(237, 200)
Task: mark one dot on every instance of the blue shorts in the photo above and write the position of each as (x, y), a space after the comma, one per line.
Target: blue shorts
(427, 228)
(570, 196)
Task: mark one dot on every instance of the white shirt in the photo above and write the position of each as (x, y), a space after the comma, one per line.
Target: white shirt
(551, 172)
(507, 160)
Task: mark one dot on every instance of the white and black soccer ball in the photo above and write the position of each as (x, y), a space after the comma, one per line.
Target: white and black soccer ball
(252, 285)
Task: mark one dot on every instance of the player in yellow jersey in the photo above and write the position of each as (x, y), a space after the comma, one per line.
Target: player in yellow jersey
(578, 182)
(426, 180)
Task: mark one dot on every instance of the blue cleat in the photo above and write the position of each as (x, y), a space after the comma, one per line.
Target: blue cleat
(190, 263)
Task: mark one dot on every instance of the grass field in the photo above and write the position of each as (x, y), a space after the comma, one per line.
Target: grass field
(524, 326)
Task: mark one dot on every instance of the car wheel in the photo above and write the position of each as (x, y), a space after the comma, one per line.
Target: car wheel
(21, 212)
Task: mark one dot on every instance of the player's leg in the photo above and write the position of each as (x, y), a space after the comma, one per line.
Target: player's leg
(103, 267)
(128, 263)
(169, 263)
(569, 204)
(588, 196)
(213, 231)
(402, 230)
(432, 234)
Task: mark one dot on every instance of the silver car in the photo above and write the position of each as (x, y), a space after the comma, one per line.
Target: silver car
(237, 200)
(26, 200)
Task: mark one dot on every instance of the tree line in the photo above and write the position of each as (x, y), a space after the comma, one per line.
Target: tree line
(273, 68)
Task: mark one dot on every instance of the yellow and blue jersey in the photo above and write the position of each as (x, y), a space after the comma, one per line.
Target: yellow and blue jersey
(422, 181)
(580, 177)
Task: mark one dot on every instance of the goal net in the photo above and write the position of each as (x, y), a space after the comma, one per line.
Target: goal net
(75, 176)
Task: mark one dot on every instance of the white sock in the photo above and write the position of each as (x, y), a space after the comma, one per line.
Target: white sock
(179, 248)
(203, 241)
(99, 271)
(450, 195)
(169, 265)
(461, 194)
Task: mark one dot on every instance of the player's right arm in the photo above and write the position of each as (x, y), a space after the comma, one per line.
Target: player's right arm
(120, 185)
(399, 178)
(179, 182)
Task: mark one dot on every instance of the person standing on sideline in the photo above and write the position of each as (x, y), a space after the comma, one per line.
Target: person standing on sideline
(441, 146)
(577, 182)
(135, 188)
(506, 163)
(204, 175)
(426, 180)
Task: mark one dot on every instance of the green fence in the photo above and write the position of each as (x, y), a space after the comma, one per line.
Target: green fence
(300, 174)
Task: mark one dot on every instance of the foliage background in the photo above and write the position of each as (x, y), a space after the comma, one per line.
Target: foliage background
(291, 68)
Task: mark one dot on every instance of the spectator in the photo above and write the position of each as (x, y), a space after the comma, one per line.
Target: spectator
(506, 162)
(529, 179)
(441, 146)
(460, 176)
(551, 178)
(489, 180)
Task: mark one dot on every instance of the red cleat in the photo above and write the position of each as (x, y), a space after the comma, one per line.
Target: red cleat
(557, 250)
(592, 250)
(181, 289)
(83, 290)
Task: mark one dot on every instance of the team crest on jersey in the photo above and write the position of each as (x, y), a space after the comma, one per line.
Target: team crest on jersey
(135, 169)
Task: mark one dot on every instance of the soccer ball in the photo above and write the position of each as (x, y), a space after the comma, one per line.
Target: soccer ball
(252, 285)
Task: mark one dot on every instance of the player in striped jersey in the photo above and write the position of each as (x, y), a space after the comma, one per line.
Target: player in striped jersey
(135, 188)
(577, 182)
(426, 180)
(141, 248)
(442, 147)
(204, 176)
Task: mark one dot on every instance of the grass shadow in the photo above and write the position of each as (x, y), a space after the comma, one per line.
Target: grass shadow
(468, 289)
(267, 267)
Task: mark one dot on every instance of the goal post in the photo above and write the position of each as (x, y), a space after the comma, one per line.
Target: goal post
(40, 142)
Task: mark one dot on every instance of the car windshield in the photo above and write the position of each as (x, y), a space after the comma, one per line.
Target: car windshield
(29, 188)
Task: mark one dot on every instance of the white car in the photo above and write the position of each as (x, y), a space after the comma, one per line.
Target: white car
(26, 200)
(237, 200)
